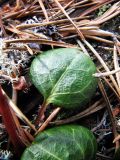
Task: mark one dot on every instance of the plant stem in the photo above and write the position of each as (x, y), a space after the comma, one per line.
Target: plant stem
(14, 95)
(49, 119)
(41, 112)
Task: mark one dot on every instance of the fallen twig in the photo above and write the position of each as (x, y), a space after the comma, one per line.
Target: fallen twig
(112, 119)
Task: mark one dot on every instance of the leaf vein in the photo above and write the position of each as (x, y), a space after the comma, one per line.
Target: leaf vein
(48, 152)
(62, 75)
(77, 142)
(73, 92)
(43, 63)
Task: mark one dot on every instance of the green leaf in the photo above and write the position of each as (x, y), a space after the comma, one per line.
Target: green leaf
(64, 77)
(66, 142)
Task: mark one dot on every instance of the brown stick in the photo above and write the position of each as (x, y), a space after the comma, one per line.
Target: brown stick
(48, 120)
(112, 119)
(98, 75)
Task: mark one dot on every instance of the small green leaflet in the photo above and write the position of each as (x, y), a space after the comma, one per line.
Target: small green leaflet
(64, 77)
(68, 142)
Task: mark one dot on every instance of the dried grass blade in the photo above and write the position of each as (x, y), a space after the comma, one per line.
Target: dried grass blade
(62, 9)
(92, 109)
(116, 65)
(25, 26)
(109, 108)
(93, 8)
(109, 12)
(103, 64)
(44, 10)
(100, 39)
(41, 41)
(57, 13)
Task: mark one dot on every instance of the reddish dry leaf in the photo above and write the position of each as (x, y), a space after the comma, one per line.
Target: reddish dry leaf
(6, 8)
(21, 84)
(13, 127)
(116, 111)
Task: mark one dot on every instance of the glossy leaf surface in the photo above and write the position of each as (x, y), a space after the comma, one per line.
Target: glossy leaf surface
(67, 142)
(64, 77)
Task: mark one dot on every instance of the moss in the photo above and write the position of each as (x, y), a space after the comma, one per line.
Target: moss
(103, 9)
